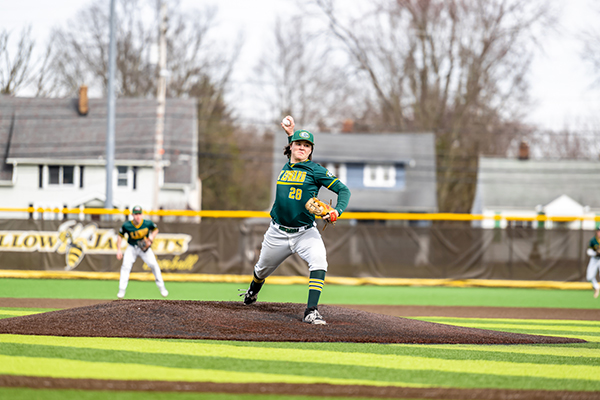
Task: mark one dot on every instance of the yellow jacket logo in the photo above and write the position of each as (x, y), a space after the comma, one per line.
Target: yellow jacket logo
(76, 240)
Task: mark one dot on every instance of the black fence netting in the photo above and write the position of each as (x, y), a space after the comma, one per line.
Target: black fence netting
(232, 246)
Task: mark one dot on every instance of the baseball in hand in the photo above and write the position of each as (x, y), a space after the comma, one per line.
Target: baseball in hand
(286, 121)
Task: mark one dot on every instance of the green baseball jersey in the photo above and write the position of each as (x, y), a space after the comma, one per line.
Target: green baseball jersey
(296, 184)
(136, 233)
(594, 245)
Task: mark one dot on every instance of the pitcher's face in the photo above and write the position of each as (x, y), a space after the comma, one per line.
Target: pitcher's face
(301, 149)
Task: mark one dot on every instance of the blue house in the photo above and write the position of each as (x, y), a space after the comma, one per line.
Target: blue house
(392, 172)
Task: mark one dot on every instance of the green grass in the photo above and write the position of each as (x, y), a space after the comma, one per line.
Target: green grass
(332, 294)
(574, 367)
(564, 367)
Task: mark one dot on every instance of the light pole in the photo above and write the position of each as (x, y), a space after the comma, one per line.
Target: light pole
(110, 128)
(161, 100)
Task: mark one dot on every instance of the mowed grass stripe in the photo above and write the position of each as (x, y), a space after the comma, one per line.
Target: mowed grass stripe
(329, 358)
(586, 333)
(61, 368)
(11, 314)
(65, 368)
(291, 366)
(32, 309)
(584, 326)
(300, 367)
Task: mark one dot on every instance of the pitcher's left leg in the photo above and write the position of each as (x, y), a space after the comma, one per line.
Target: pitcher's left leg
(150, 260)
(310, 247)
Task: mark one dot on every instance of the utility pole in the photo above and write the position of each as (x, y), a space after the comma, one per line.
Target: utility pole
(110, 128)
(161, 98)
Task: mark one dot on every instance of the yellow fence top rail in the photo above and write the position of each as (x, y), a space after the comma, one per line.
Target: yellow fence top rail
(347, 215)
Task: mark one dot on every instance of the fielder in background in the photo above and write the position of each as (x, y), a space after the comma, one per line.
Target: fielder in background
(293, 228)
(140, 235)
(592, 270)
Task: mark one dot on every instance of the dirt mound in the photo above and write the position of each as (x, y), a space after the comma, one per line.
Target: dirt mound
(273, 322)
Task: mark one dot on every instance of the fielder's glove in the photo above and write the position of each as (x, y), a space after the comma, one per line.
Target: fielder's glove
(317, 207)
(145, 244)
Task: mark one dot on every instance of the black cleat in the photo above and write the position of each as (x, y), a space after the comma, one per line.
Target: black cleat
(249, 296)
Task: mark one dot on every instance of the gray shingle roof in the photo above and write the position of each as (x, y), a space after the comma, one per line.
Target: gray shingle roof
(52, 128)
(515, 184)
(373, 148)
(415, 150)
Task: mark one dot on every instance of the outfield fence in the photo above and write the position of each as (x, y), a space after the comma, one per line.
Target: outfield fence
(359, 246)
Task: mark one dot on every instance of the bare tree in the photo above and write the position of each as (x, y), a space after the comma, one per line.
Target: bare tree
(82, 50)
(590, 39)
(16, 70)
(298, 76)
(568, 143)
(457, 68)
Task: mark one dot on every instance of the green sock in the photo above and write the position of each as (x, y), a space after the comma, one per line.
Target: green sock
(256, 284)
(315, 287)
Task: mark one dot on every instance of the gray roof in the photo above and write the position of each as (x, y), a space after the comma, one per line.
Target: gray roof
(506, 183)
(415, 150)
(34, 129)
(373, 148)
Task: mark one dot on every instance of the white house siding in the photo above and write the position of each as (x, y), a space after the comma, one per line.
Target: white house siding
(26, 191)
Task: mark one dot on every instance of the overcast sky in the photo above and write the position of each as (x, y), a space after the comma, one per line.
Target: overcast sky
(561, 82)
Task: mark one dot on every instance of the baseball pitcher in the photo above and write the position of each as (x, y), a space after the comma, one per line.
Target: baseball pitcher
(293, 228)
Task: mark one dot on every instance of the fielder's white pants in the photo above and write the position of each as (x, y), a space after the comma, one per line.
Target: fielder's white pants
(129, 257)
(278, 245)
(592, 271)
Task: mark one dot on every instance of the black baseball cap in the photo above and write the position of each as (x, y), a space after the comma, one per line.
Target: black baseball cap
(136, 210)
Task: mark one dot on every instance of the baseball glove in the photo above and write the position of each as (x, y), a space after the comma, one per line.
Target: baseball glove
(145, 244)
(317, 207)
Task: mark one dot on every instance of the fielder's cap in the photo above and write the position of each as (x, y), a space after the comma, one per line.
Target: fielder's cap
(136, 210)
(303, 135)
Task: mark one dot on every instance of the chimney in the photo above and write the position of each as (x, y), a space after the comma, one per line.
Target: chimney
(348, 126)
(82, 105)
(524, 150)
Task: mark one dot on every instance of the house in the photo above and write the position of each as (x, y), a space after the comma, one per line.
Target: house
(52, 154)
(526, 187)
(392, 172)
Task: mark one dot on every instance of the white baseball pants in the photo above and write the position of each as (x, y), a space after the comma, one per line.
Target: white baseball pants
(129, 256)
(592, 271)
(278, 245)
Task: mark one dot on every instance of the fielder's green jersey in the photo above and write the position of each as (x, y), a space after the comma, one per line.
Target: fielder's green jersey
(594, 245)
(136, 233)
(296, 184)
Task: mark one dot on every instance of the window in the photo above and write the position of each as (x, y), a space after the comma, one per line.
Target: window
(379, 175)
(122, 176)
(57, 175)
(68, 173)
(53, 174)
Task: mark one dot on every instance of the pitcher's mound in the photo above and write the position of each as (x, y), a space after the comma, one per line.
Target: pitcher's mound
(265, 322)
